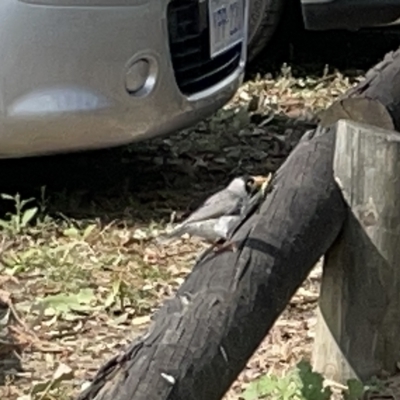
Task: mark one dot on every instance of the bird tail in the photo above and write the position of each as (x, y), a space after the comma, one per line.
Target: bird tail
(169, 237)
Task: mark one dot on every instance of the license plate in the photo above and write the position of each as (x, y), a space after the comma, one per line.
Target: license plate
(226, 24)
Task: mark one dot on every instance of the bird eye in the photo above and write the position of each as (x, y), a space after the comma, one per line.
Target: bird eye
(250, 183)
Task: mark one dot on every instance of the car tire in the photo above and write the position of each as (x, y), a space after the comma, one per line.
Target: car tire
(264, 17)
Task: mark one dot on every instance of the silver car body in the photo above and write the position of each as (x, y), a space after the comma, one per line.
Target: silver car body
(70, 77)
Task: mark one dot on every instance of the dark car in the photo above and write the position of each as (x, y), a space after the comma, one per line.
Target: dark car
(265, 15)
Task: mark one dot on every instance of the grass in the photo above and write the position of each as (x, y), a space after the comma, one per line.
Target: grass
(79, 273)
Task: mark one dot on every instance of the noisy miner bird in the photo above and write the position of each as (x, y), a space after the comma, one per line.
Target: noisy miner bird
(250, 207)
(214, 219)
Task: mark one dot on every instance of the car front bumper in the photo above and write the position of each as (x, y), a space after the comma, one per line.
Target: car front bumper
(65, 69)
(349, 14)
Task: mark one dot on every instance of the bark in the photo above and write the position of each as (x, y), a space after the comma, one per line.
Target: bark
(382, 83)
(202, 338)
(358, 328)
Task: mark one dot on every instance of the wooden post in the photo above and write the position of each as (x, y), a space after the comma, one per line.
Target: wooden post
(358, 330)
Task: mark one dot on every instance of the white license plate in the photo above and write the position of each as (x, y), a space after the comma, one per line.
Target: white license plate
(226, 24)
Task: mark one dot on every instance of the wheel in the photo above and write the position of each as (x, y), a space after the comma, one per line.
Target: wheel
(264, 17)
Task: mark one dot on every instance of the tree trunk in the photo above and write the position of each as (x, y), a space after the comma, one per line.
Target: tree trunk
(203, 337)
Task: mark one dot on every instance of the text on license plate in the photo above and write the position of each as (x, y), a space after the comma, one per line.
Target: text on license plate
(226, 24)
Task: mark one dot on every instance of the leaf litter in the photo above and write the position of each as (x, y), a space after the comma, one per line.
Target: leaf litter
(83, 281)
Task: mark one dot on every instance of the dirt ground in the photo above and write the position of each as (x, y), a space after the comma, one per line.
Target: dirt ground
(80, 274)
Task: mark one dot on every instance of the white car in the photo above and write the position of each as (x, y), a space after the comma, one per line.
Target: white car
(87, 74)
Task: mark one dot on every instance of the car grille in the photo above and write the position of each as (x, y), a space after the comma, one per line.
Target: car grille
(188, 31)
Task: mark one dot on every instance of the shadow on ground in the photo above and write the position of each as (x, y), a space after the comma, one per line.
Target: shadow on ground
(149, 180)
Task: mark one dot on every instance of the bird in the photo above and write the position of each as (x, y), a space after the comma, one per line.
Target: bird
(214, 219)
(250, 208)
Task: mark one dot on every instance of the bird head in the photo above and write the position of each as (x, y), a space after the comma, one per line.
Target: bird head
(247, 184)
(254, 183)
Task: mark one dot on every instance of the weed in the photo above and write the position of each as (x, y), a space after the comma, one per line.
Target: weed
(16, 222)
(301, 383)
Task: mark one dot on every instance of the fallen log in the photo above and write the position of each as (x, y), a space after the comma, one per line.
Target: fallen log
(202, 338)
(382, 83)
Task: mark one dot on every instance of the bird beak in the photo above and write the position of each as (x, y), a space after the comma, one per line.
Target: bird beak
(260, 180)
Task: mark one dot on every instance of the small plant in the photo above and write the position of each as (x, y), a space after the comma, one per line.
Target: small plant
(302, 383)
(312, 383)
(273, 387)
(355, 390)
(17, 221)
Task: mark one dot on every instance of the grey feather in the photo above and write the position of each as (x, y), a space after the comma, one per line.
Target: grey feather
(227, 201)
(211, 229)
(206, 221)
